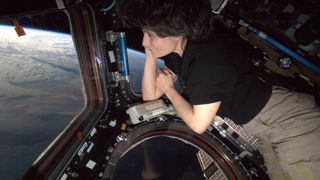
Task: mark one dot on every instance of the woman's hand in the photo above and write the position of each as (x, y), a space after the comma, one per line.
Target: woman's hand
(165, 79)
(149, 90)
(149, 56)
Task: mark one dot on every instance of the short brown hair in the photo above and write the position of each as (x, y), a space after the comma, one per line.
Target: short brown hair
(189, 18)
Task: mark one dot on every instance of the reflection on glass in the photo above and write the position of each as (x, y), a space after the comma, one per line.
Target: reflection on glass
(160, 158)
(40, 89)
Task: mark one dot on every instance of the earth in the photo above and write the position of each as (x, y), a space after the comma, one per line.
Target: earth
(40, 92)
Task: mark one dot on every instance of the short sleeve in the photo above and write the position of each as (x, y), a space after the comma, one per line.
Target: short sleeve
(210, 84)
(173, 62)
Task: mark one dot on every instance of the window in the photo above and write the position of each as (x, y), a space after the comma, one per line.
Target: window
(40, 88)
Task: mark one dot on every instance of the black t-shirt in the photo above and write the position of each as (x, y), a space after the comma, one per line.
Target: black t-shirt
(214, 70)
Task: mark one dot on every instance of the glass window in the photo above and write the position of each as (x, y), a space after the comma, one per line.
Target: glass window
(40, 88)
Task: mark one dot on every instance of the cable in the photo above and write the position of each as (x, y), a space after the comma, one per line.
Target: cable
(109, 7)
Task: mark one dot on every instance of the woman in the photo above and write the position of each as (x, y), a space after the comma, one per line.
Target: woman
(219, 80)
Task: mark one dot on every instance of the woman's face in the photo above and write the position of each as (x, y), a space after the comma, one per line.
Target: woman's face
(160, 46)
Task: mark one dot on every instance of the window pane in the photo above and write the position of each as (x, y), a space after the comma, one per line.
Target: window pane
(40, 89)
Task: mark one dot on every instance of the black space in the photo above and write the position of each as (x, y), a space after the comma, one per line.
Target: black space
(9, 7)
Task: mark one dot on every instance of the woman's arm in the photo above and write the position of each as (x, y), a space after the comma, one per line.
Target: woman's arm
(197, 117)
(149, 90)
